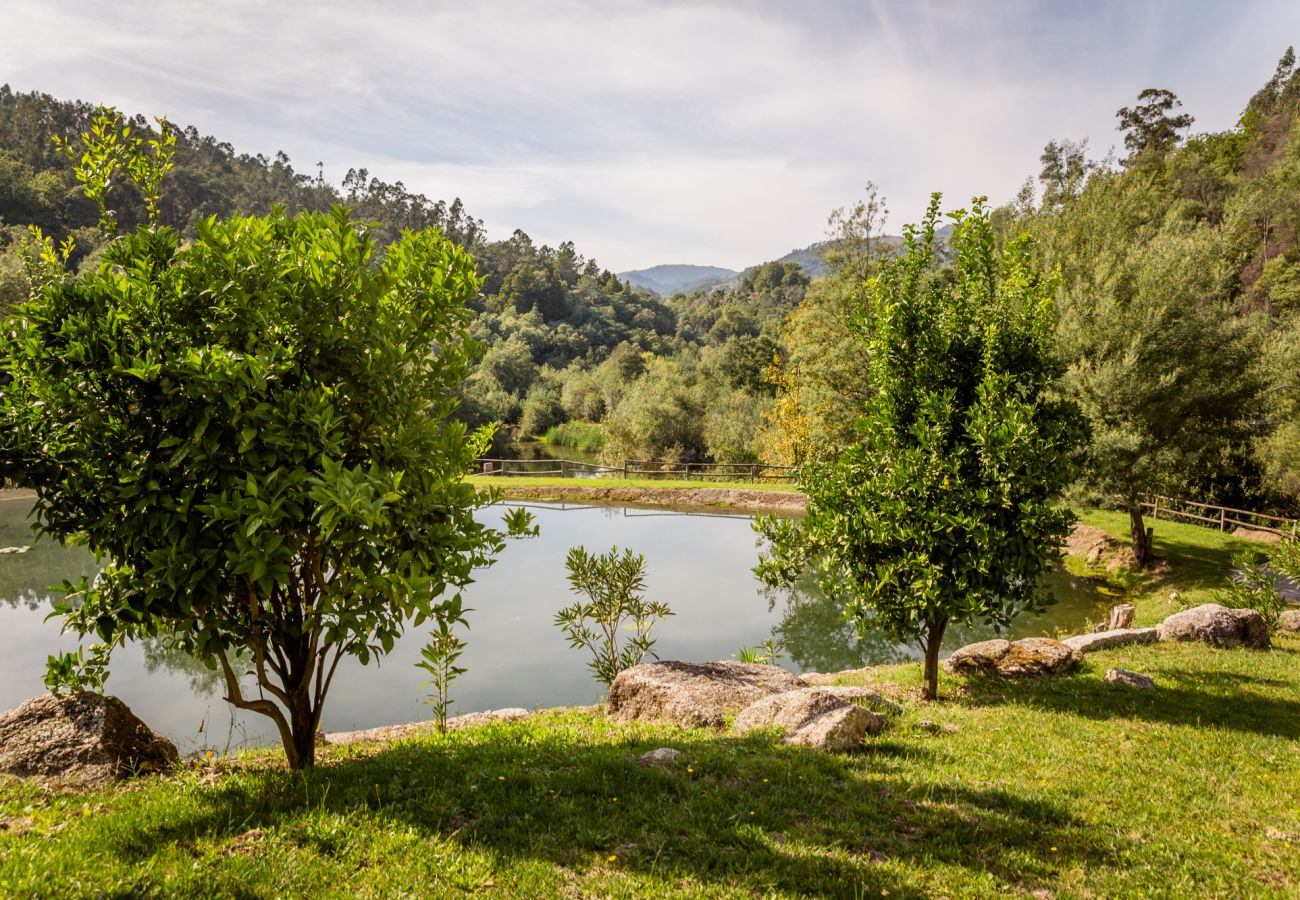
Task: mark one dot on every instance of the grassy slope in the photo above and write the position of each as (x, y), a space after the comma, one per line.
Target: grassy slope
(1071, 786)
(661, 483)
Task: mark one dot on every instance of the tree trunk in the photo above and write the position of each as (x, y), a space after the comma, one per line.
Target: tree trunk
(1142, 536)
(303, 724)
(931, 643)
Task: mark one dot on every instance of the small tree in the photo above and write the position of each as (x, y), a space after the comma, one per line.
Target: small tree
(945, 511)
(613, 585)
(255, 430)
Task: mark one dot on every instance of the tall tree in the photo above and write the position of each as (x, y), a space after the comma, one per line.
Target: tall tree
(946, 509)
(1149, 128)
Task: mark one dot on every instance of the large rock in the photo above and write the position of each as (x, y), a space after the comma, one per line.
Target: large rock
(693, 694)
(1289, 620)
(812, 717)
(1026, 657)
(83, 738)
(1216, 625)
(1121, 616)
(1104, 640)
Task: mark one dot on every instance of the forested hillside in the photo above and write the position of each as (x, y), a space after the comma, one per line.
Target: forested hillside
(1178, 301)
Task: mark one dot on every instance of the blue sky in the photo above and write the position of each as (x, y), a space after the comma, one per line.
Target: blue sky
(647, 132)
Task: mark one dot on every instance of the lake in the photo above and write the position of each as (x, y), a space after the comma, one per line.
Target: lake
(698, 562)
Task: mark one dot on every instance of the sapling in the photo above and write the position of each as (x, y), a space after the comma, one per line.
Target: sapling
(613, 585)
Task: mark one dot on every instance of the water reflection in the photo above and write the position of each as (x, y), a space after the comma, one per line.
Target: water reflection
(819, 638)
(700, 563)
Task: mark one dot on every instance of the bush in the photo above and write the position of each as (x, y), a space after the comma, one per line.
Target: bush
(581, 436)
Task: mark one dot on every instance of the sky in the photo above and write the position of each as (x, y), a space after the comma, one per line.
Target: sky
(655, 132)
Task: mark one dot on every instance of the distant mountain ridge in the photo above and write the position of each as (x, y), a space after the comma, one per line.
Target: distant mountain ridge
(677, 279)
(667, 280)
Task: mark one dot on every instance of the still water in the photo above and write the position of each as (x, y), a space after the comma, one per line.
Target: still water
(699, 563)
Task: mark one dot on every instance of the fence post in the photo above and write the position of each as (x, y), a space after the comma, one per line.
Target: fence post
(1155, 507)
(1223, 519)
(625, 470)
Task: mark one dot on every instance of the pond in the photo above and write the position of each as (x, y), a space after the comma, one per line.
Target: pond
(699, 562)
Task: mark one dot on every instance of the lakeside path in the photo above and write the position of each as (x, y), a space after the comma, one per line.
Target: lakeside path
(685, 494)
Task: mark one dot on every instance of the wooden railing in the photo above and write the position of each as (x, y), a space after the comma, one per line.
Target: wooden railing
(638, 468)
(1221, 517)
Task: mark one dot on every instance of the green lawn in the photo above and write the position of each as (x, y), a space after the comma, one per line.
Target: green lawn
(1071, 787)
(505, 481)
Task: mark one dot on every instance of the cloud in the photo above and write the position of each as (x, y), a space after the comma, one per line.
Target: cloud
(653, 132)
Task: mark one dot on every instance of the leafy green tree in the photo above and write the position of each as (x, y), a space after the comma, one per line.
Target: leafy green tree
(1149, 128)
(254, 431)
(946, 510)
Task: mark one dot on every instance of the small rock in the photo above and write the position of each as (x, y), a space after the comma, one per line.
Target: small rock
(1026, 657)
(1121, 616)
(83, 738)
(1276, 834)
(1289, 621)
(1218, 626)
(693, 694)
(935, 727)
(664, 756)
(812, 717)
(1132, 679)
(1104, 640)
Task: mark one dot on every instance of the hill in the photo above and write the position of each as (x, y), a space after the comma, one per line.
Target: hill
(677, 279)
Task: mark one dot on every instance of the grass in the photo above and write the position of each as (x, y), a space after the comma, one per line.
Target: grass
(1068, 787)
(505, 481)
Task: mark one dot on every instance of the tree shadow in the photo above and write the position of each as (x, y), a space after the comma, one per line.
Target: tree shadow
(747, 814)
(1207, 699)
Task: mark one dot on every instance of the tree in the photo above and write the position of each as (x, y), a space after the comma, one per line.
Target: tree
(1148, 127)
(253, 431)
(945, 510)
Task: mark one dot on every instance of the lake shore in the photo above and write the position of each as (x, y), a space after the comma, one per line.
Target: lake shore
(686, 495)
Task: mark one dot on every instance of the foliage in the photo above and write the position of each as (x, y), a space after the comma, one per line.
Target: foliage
(438, 657)
(945, 511)
(613, 585)
(1149, 128)
(768, 653)
(78, 671)
(255, 428)
(581, 436)
(1253, 582)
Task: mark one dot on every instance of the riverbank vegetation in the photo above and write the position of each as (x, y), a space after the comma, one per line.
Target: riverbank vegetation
(1069, 786)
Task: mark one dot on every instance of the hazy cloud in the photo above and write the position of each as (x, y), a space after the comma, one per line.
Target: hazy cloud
(654, 132)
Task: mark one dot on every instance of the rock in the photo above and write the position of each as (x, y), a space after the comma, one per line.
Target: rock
(1026, 657)
(413, 729)
(1121, 616)
(1132, 679)
(812, 717)
(865, 696)
(1104, 640)
(1289, 620)
(83, 738)
(1218, 626)
(664, 756)
(935, 727)
(693, 694)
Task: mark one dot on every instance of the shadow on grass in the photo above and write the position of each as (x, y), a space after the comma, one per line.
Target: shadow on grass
(1214, 698)
(745, 814)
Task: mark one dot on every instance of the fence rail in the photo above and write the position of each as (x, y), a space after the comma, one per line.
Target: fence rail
(1221, 517)
(638, 468)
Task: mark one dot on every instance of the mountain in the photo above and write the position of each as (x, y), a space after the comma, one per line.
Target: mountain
(677, 279)
(669, 280)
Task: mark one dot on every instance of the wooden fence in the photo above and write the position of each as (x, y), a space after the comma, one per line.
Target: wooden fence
(1221, 517)
(637, 468)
